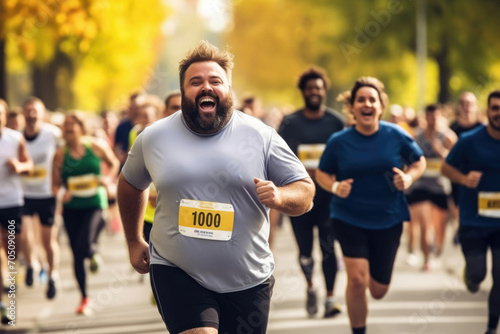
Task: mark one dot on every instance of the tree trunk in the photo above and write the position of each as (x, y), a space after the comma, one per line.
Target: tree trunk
(52, 82)
(44, 86)
(442, 59)
(3, 70)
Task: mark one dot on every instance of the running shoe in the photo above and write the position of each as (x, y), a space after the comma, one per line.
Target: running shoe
(491, 331)
(29, 276)
(95, 263)
(412, 259)
(52, 287)
(3, 311)
(312, 301)
(331, 309)
(84, 308)
(472, 287)
(43, 276)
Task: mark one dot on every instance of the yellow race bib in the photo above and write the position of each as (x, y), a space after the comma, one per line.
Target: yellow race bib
(310, 154)
(83, 185)
(206, 220)
(38, 175)
(489, 204)
(433, 168)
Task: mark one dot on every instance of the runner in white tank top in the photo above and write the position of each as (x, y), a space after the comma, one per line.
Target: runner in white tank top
(14, 160)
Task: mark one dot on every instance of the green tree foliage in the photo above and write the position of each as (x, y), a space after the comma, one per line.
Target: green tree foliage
(83, 54)
(275, 40)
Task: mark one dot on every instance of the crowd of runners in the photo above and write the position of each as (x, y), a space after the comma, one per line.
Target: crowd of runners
(203, 182)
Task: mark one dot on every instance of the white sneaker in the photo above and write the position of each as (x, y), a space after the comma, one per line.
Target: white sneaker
(412, 260)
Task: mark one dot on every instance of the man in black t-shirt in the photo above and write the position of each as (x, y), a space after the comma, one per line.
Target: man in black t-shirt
(306, 132)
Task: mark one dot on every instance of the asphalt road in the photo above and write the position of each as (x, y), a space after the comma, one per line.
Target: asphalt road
(433, 302)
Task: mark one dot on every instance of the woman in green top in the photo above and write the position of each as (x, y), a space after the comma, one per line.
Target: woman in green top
(77, 167)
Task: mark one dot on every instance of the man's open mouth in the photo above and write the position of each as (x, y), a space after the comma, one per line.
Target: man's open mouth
(207, 104)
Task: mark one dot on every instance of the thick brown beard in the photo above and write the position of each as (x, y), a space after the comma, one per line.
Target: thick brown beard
(191, 114)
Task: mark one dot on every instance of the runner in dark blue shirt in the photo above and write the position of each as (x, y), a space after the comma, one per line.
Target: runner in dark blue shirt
(474, 163)
(363, 167)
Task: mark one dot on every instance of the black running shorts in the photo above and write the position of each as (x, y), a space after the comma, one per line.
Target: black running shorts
(184, 304)
(10, 219)
(46, 209)
(379, 247)
(420, 195)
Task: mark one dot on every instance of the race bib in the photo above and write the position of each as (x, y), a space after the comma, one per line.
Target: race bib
(489, 204)
(83, 185)
(206, 220)
(310, 154)
(38, 176)
(433, 168)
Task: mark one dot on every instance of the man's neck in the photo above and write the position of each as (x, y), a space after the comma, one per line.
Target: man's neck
(314, 114)
(495, 134)
(468, 120)
(31, 131)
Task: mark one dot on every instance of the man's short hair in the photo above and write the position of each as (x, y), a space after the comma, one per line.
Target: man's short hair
(205, 51)
(152, 101)
(31, 100)
(493, 94)
(170, 95)
(313, 73)
(433, 107)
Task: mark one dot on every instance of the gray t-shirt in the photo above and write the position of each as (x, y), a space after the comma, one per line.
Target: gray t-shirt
(219, 168)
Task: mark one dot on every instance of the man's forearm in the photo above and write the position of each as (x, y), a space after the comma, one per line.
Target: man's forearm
(455, 175)
(297, 197)
(132, 204)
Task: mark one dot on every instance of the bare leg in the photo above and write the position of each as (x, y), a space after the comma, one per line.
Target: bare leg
(28, 240)
(357, 282)
(416, 232)
(378, 290)
(440, 219)
(427, 229)
(51, 246)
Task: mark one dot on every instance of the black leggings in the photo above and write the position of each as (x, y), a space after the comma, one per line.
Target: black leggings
(83, 227)
(475, 243)
(303, 229)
